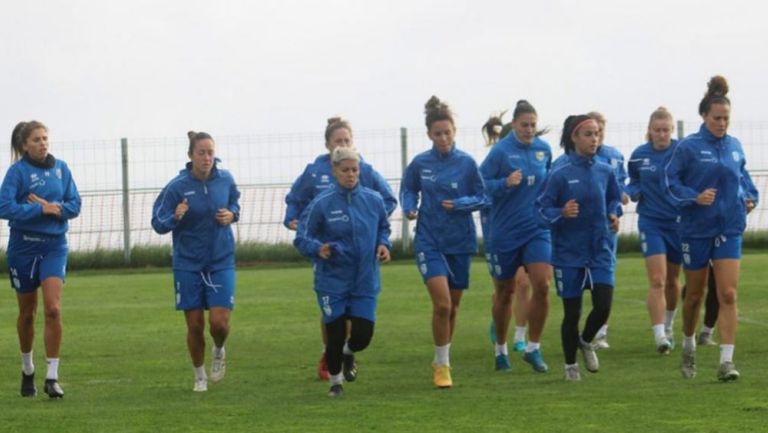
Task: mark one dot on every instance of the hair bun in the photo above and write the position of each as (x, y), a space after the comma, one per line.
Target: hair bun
(522, 102)
(191, 134)
(717, 86)
(433, 103)
(335, 119)
(662, 108)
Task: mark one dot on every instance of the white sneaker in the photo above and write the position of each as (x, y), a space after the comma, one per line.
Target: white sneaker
(572, 373)
(201, 385)
(590, 357)
(601, 342)
(218, 366)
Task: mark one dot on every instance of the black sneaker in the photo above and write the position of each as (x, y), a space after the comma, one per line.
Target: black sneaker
(28, 388)
(53, 389)
(336, 391)
(349, 367)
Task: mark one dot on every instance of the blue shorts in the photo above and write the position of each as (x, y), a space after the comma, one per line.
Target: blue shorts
(203, 290)
(667, 242)
(348, 304)
(33, 258)
(571, 282)
(453, 266)
(698, 252)
(503, 266)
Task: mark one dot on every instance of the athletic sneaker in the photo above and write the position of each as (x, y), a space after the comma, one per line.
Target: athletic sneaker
(349, 367)
(590, 357)
(218, 366)
(336, 391)
(492, 332)
(537, 362)
(28, 388)
(572, 373)
(322, 369)
(201, 385)
(502, 363)
(441, 375)
(705, 339)
(53, 389)
(519, 346)
(727, 372)
(664, 347)
(601, 342)
(688, 366)
(670, 337)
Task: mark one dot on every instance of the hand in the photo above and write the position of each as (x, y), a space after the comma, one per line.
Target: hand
(515, 178)
(34, 199)
(325, 251)
(750, 205)
(225, 216)
(412, 215)
(447, 204)
(614, 223)
(707, 197)
(181, 210)
(382, 253)
(624, 198)
(571, 209)
(293, 224)
(53, 209)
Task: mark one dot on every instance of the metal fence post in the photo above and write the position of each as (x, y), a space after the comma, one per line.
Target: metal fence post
(404, 234)
(126, 203)
(680, 129)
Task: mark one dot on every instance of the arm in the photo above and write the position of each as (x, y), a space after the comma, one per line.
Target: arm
(10, 209)
(681, 194)
(234, 201)
(548, 212)
(477, 198)
(297, 198)
(381, 186)
(70, 206)
(489, 170)
(633, 188)
(613, 195)
(410, 187)
(164, 211)
(306, 232)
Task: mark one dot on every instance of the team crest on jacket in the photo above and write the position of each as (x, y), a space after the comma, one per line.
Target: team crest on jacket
(540, 156)
(736, 156)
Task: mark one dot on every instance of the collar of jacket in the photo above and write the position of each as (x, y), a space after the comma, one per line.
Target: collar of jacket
(344, 191)
(441, 155)
(709, 137)
(577, 159)
(48, 162)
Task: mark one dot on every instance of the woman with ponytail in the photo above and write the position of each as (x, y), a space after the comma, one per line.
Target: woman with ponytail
(708, 179)
(514, 172)
(441, 188)
(580, 203)
(658, 224)
(38, 197)
(198, 206)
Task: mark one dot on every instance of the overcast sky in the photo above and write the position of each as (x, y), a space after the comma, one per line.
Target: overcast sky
(103, 69)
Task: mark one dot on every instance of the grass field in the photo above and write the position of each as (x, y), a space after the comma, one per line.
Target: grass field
(125, 367)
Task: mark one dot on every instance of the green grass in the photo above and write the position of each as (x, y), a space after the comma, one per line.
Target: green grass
(125, 367)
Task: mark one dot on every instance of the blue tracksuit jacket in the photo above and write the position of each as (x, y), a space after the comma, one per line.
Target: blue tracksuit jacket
(647, 185)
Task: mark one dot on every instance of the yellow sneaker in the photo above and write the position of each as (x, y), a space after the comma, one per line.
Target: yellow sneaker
(441, 375)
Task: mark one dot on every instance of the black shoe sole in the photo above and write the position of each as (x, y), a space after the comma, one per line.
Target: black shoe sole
(28, 388)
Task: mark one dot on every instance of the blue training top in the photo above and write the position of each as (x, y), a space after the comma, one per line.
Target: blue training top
(648, 188)
(50, 180)
(511, 222)
(434, 177)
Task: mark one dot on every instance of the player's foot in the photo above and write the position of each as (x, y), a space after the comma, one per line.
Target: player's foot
(537, 362)
(336, 391)
(591, 362)
(572, 373)
(664, 347)
(322, 369)
(201, 385)
(519, 346)
(53, 389)
(349, 368)
(670, 337)
(502, 363)
(727, 372)
(441, 375)
(219, 365)
(601, 342)
(28, 388)
(705, 339)
(688, 365)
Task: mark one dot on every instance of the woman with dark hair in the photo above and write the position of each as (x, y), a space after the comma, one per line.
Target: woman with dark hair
(346, 233)
(580, 204)
(199, 206)
(707, 177)
(442, 187)
(658, 224)
(513, 173)
(318, 177)
(38, 197)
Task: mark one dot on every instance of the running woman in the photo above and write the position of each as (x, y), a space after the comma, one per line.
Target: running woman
(708, 178)
(513, 173)
(198, 206)
(441, 188)
(658, 224)
(317, 177)
(346, 233)
(580, 204)
(38, 197)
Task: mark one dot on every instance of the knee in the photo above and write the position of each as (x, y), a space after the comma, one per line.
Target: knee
(219, 325)
(727, 296)
(541, 292)
(27, 318)
(657, 284)
(197, 329)
(504, 294)
(442, 308)
(52, 313)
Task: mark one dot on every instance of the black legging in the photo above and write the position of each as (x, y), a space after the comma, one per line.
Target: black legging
(360, 336)
(602, 297)
(711, 304)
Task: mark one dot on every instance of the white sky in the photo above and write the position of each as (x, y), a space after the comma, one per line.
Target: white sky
(142, 68)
